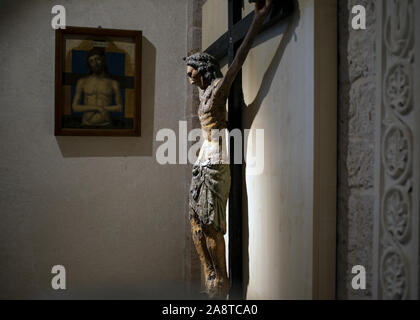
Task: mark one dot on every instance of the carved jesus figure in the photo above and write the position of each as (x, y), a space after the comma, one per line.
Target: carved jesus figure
(98, 91)
(210, 183)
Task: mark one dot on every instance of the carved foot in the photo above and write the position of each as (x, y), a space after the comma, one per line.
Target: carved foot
(219, 289)
(211, 278)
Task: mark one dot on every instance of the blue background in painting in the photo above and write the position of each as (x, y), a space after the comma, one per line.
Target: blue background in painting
(115, 63)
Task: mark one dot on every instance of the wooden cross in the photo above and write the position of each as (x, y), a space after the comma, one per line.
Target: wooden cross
(228, 44)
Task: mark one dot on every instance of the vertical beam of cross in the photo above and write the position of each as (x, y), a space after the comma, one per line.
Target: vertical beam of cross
(235, 198)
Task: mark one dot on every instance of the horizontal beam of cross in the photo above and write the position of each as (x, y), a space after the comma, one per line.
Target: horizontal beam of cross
(219, 48)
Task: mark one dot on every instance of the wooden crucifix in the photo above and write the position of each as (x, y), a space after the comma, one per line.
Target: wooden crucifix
(213, 177)
(228, 44)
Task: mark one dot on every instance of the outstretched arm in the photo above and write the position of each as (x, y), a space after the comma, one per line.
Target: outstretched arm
(261, 11)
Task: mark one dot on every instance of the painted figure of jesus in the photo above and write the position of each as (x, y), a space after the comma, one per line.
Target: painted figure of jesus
(210, 183)
(98, 90)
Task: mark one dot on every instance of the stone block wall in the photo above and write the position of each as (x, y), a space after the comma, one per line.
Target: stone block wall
(356, 143)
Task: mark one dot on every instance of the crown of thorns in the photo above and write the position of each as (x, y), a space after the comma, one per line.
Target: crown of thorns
(206, 65)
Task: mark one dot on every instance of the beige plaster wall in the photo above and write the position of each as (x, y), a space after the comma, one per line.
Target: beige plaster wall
(102, 207)
(279, 92)
(215, 21)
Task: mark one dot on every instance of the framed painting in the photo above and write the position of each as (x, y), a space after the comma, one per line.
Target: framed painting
(97, 82)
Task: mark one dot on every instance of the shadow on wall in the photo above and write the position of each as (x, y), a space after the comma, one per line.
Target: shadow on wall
(74, 146)
(288, 31)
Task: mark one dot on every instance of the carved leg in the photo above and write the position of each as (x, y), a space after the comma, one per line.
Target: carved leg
(201, 247)
(216, 246)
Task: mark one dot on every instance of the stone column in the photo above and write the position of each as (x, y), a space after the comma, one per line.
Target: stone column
(356, 144)
(397, 154)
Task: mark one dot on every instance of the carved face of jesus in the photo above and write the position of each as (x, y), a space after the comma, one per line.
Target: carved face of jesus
(195, 77)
